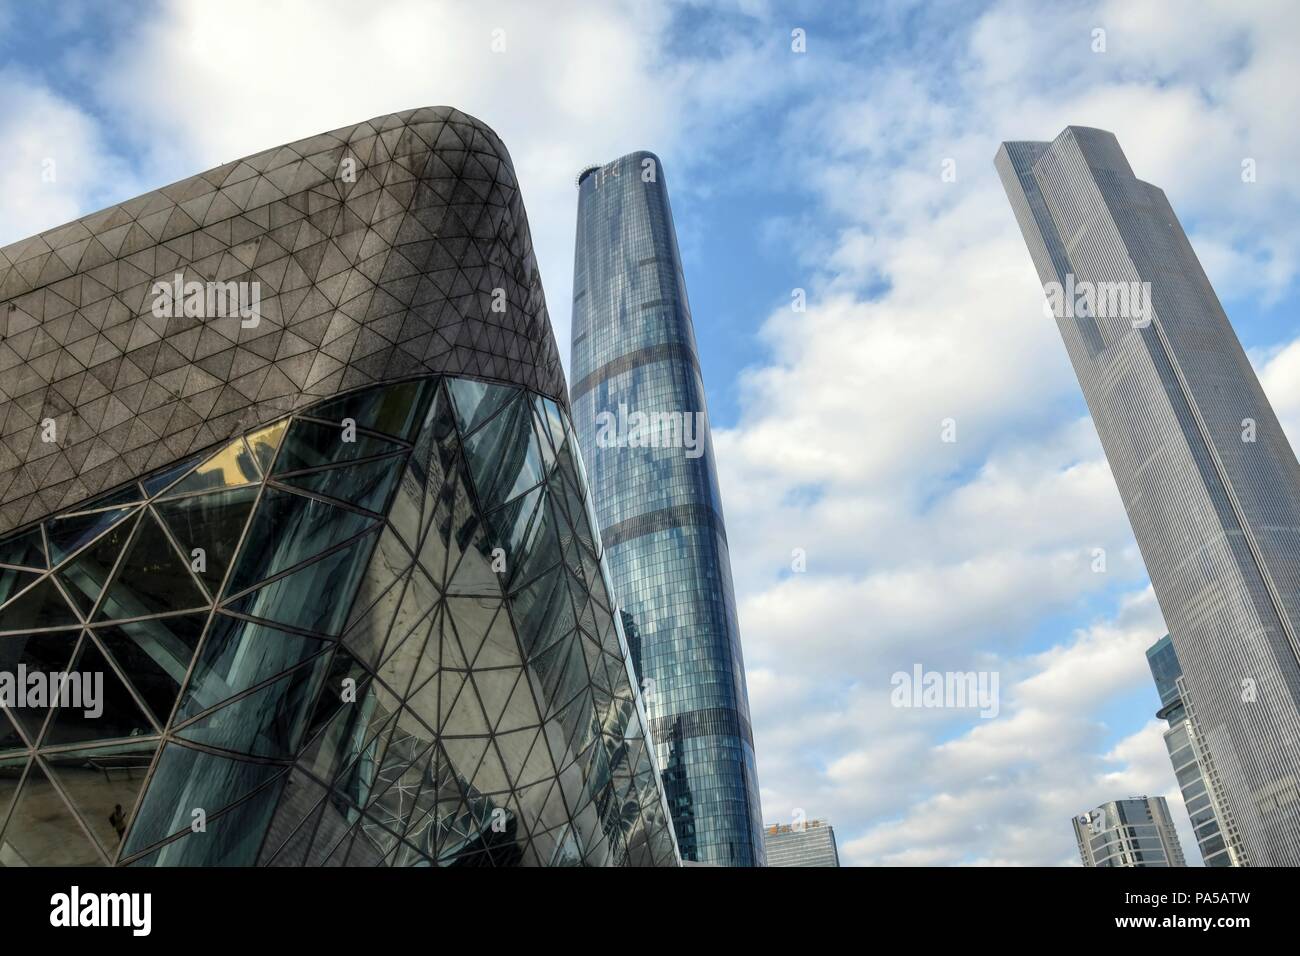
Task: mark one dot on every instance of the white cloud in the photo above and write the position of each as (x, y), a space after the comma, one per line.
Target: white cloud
(56, 164)
(923, 305)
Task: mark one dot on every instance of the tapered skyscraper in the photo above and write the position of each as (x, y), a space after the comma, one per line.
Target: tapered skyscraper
(639, 410)
(1210, 483)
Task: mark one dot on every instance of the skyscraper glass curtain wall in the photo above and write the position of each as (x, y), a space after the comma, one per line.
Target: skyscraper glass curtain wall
(639, 409)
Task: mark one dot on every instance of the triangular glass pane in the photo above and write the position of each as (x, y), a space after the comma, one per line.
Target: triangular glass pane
(543, 612)
(552, 419)
(350, 732)
(237, 655)
(294, 823)
(391, 409)
(403, 654)
(494, 689)
(540, 549)
(295, 598)
(155, 655)
(520, 710)
(152, 579)
(10, 740)
(12, 768)
(543, 440)
(491, 775)
(390, 561)
(103, 784)
(83, 577)
(357, 780)
(366, 638)
(435, 443)
(538, 767)
(435, 546)
(40, 606)
(43, 831)
(510, 523)
(122, 496)
(465, 718)
(313, 445)
(344, 685)
(288, 529)
(66, 535)
(212, 523)
(166, 476)
(26, 549)
(420, 598)
(366, 485)
(431, 656)
(474, 575)
(476, 402)
(230, 467)
(269, 722)
(264, 443)
(231, 839)
(11, 582)
(96, 704)
(504, 457)
(35, 653)
(185, 780)
(484, 631)
(466, 753)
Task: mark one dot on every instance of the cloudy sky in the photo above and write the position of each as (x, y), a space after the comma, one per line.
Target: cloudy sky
(819, 170)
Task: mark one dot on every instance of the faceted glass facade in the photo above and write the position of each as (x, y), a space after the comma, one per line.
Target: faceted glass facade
(1210, 483)
(377, 632)
(659, 509)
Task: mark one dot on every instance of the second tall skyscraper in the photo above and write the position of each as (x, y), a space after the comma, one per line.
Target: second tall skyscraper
(639, 409)
(1209, 480)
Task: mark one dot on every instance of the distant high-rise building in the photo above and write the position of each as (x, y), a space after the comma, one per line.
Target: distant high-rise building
(1133, 832)
(639, 410)
(812, 844)
(1209, 480)
(1215, 834)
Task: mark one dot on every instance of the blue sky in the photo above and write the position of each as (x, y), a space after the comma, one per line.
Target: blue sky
(818, 170)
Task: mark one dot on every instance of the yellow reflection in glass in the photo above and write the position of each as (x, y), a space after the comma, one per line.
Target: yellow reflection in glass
(233, 465)
(266, 441)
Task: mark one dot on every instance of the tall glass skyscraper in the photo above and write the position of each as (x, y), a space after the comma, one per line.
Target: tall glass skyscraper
(1133, 832)
(331, 562)
(639, 410)
(1208, 478)
(1214, 831)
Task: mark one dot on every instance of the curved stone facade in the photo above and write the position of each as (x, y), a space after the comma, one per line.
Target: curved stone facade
(368, 622)
(395, 247)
